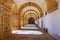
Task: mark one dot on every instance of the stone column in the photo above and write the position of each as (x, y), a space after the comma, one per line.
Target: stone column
(6, 27)
(14, 22)
(1, 28)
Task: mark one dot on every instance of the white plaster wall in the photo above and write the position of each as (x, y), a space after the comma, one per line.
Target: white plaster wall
(52, 22)
(38, 22)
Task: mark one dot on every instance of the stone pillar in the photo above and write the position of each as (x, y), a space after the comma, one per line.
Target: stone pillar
(1, 28)
(6, 27)
(22, 21)
(14, 22)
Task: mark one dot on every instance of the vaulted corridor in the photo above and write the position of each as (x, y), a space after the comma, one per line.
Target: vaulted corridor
(29, 19)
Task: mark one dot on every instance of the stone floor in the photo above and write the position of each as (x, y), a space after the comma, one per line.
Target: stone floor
(57, 36)
(44, 36)
(29, 26)
(31, 37)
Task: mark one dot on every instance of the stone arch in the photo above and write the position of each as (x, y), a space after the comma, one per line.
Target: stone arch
(31, 13)
(31, 10)
(36, 15)
(6, 8)
(27, 16)
(29, 4)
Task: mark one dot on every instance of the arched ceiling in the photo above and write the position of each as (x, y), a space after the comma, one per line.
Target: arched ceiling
(41, 3)
(31, 12)
(31, 4)
(19, 6)
(31, 8)
(9, 4)
(51, 5)
(45, 5)
(3, 8)
(30, 15)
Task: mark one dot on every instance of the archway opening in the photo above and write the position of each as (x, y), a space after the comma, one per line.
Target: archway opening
(24, 6)
(31, 20)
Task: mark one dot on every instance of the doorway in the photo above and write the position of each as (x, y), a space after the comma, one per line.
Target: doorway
(31, 20)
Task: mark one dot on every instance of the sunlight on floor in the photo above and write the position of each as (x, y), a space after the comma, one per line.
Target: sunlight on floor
(32, 32)
(29, 28)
